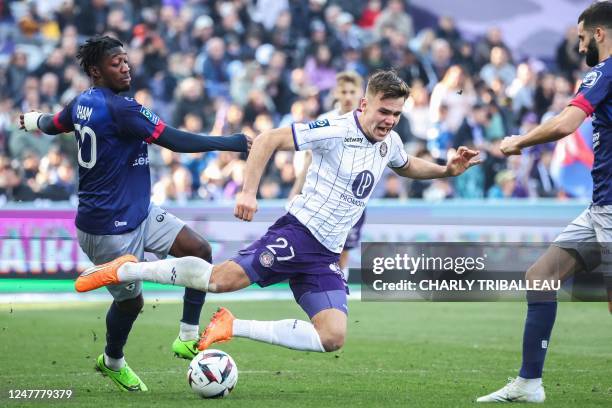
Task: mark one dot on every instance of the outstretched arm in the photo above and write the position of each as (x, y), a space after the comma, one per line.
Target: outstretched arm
(565, 123)
(44, 122)
(187, 142)
(263, 147)
(462, 160)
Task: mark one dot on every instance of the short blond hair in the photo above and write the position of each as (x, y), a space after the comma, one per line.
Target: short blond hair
(389, 84)
(350, 77)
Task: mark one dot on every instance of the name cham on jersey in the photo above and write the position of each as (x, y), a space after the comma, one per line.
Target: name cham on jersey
(84, 112)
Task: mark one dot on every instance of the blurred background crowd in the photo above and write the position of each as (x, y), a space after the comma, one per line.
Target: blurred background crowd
(222, 67)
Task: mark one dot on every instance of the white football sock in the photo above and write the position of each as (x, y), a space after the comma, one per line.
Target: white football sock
(290, 333)
(531, 383)
(114, 364)
(189, 271)
(189, 331)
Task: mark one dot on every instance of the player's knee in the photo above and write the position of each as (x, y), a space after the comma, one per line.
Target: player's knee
(332, 339)
(227, 277)
(200, 248)
(537, 273)
(330, 324)
(204, 250)
(217, 284)
(131, 306)
(531, 273)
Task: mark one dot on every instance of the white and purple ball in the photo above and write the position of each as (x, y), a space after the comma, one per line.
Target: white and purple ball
(212, 374)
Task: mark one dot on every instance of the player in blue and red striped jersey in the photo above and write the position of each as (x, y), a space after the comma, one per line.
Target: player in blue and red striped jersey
(566, 256)
(115, 214)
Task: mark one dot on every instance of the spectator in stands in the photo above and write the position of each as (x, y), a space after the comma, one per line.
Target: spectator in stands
(394, 16)
(319, 69)
(370, 14)
(568, 58)
(240, 66)
(456, 91)
(447, 30)
(541, 182)
(498, 68)
(493, 38)
(522, 90)
(215, 68)
(505, 185)
(472, 132)
(441, 57)
(192, 99)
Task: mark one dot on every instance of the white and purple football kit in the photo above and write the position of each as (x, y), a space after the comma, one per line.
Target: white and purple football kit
(304, 245)
(354, 236)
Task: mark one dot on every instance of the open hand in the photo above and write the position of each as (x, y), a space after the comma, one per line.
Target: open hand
(462, 160)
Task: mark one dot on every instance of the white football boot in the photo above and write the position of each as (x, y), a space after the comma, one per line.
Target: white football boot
(518, 390)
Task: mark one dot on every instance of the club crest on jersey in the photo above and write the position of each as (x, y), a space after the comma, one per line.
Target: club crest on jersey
(318, 123)
(151, 117)
(266, 259)
(383, 149)
(591, 78)
(336, 269)
(363, 184)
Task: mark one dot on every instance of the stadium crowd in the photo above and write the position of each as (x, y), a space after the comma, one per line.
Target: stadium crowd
(222, 67)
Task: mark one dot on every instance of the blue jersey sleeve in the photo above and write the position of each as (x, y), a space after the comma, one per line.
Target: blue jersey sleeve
(136, 121)
(62, 120)
(593, 90)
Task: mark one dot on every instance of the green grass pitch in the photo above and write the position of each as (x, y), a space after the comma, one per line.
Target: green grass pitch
(397, 354)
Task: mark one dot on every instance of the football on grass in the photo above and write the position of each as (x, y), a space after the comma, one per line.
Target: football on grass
(212, 374)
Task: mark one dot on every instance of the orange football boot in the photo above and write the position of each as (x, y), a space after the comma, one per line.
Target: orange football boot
(101, 275)
(220, 329)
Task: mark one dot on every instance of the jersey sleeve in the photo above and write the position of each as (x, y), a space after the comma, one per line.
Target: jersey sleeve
(593, 90)
(398, 157)
(317, 135)
(135, 120)
(62, 120)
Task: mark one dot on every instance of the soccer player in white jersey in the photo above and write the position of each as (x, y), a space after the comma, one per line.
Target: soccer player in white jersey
(570, 253)
(349, 155)
(347, 94)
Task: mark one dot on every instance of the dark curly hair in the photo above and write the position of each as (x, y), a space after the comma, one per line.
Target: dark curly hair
(597, 14)
(91, 53)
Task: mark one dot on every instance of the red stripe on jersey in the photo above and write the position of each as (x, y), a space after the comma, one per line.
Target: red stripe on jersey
(58, 125)
(581, 102)
(159, 128)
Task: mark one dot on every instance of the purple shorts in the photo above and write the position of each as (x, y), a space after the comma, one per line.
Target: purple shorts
(288, 251)
(354, 235)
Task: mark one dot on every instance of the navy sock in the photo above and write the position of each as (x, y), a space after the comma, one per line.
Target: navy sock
(192, 305)
(193, 301)
(118, 325)
(541, 314)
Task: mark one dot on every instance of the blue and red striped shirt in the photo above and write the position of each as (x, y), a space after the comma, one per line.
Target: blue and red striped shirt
(593, 97)
(112, 133)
